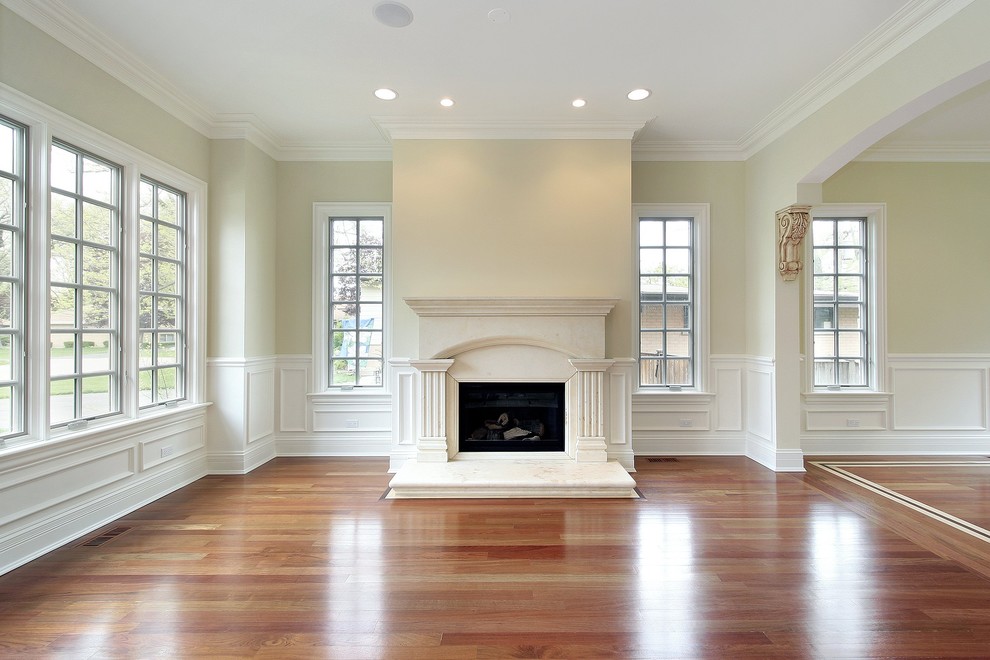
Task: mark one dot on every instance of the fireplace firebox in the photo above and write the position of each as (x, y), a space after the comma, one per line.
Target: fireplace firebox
(516, 417)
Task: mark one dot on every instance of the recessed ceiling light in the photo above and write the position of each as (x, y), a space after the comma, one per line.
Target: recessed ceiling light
(385, 94)
(638, 94)
(393, 14)
(445, 102)
(579, 103)
(499, 15)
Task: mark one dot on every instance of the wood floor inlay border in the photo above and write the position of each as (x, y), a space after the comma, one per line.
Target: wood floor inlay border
(836, 468)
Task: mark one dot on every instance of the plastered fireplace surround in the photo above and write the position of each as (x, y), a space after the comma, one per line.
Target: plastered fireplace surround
(521, 340)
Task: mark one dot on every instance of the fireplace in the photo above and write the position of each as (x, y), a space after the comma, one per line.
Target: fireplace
(494, 374)
(511, 417)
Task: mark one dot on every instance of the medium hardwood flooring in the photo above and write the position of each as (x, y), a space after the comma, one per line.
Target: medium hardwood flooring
(302, 558)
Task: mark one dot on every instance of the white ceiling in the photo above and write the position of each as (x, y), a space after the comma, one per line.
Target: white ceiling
(727, 75)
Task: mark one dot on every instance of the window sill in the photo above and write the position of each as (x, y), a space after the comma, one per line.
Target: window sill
(364, 394)
(104, 430)
(831, 396)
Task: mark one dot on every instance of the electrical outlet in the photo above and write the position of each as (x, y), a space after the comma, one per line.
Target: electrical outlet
(351, 423)
(167, 451)
(686, 423)
(852, 423)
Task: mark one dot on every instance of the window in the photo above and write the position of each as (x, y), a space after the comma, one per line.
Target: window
(351, 295)
(671, 246)
(844, 298)
(102, 278)
(84, 267)
(161, 291)
(12, 204)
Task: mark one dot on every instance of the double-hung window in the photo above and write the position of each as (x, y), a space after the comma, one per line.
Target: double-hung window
(84, 274)
(350, 286)
(12, 302)
(845, 300)
(671, 251)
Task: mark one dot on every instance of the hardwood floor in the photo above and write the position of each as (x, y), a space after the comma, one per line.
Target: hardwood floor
(303, 558)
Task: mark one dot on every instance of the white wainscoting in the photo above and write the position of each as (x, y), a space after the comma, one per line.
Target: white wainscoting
(242, 418)
(343, 423)
(934, 404)
(54, 492)
(692, 423)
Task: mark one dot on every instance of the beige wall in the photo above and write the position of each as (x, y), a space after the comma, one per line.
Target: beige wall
(722, 185)
(37, 65)
(226, 243)
(512, 218)
(259, 254)
(242, 255)
(300, 185)
(938, 236)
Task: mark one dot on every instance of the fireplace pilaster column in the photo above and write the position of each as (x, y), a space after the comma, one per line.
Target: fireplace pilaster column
(431, 443)
(591, 446)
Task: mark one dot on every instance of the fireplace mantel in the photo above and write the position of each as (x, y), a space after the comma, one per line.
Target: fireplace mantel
(522, 340)
(509, 306)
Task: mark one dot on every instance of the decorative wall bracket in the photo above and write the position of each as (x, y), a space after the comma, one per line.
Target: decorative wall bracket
(792, 224)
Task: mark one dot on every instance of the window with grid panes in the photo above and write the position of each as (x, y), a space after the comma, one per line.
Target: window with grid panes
(667, 296)
(161, 294)
(841, 302)
(356, 309)
(12, 302)
(84, 294)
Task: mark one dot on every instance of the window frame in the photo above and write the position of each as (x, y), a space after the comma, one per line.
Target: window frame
(875, 302)
(18, 228)
(323, 213)
(45, 125)
(180, 295)
(700, 215)
(115, 323)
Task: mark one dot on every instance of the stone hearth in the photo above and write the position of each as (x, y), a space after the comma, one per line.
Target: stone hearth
(523, 340)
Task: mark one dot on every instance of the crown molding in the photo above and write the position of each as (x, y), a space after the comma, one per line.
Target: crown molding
(335, 152)
(417, 128)
(891, 37)
(75, 33)
(928, 152)
(682, 151)
(897, 33)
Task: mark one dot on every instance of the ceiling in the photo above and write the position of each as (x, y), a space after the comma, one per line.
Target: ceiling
(727, 76)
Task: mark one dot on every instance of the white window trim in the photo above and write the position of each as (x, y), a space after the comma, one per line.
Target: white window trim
(45, 123)
(876, 227)
(322, 212)
(701, 214)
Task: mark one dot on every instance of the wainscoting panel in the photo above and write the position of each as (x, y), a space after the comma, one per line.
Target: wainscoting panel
(728, 384)
(293, 386)
(934, 404)
(261, 404)
(760, 400)
(56, 491)
(620, 383)
(242, 418)
(694, 423)
(404, 413)
(939, 397)
(337, 423)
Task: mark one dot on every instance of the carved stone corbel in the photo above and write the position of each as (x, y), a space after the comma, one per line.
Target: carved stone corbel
(792, 224)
